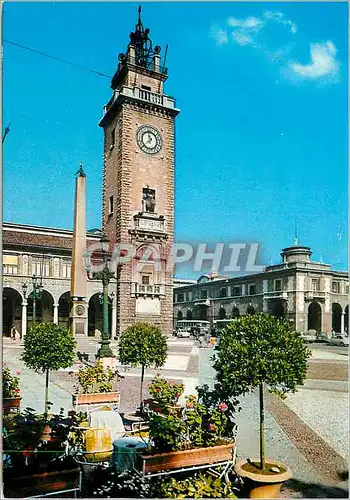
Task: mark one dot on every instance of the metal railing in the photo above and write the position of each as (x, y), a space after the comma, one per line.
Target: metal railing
(280, 294)
(147, 289)
(141, 94)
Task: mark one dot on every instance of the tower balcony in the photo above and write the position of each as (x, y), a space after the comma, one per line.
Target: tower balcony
(315, 295)
(147, 290)
(140, 95)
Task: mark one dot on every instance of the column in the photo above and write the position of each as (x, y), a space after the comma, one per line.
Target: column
(114, 317)
(86, 322)
(55, 313)
(342, 323)
(24, 318)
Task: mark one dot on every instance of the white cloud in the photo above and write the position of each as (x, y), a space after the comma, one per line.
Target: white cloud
(246, 31)
(242, 38)
(279, 17)
(219, 35)
(323, 62)
(277, 55)
(249, 23)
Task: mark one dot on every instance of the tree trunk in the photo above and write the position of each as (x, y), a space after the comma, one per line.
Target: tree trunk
(46, 393)
(262, 426)
(141, 388)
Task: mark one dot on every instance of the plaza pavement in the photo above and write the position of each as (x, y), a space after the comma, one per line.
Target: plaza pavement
(308, 431)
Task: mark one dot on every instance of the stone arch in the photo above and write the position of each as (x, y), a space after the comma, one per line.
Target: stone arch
(11, 310)
(64, 306)
(179, 315)
(43, 308)
(222, 313)
(189, 314)
(235, 312)
(336, 317)
(250, 310)
(203, 313)
(314, 317)
(95, 314)
(278, 309)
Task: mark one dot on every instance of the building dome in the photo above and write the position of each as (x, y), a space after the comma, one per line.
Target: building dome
(296, 253)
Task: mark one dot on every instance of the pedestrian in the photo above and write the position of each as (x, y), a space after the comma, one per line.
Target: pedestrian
(13, 332)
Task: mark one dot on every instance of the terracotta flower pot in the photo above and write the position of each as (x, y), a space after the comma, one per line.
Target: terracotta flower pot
(41, 484)
(186, 458)
(9, 404)
(260, 485)
(96, 398)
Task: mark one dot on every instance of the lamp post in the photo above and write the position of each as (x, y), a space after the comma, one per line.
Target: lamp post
(36, 294)
(105, 276)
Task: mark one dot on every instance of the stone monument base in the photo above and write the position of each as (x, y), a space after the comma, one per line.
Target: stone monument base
(108, 362)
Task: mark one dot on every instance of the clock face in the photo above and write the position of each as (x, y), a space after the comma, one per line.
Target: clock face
(149, 139)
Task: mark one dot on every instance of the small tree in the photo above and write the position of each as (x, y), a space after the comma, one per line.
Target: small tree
(257, 350)
(48, 347)
(142, 344)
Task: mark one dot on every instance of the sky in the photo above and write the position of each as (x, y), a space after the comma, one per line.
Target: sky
(261, 140)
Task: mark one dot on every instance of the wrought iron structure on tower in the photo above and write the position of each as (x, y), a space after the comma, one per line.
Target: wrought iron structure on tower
(143, 52)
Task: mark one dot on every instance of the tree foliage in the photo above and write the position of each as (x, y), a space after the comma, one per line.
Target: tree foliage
(142, 344)
(259, 349)
(48, 347)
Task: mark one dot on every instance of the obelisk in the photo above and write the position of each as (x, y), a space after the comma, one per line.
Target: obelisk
(78, 293)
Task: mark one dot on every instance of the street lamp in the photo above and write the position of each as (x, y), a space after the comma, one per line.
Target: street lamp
(105, 276)
(36, 294)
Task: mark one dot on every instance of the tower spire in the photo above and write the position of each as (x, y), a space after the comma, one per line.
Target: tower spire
(139, 20)
(80, 172)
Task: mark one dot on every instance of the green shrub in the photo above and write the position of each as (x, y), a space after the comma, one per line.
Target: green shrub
(259, 350)
(142, 344)
(48, 347)
(197, 486)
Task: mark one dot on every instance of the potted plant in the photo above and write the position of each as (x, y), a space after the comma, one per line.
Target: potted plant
(142, 344)
(164, 394)
(204, 435)
(95, 385)
(36, 462)
(48, 347)
(11, 393)
(254, 352)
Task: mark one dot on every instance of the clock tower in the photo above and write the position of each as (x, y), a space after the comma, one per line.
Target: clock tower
(138, 182)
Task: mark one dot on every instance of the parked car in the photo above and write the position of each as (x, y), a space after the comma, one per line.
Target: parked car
(308, 337)
(322, 337)
(339, 340)
(183, 333)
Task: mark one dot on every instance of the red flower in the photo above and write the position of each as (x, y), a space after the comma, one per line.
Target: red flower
(189, 405)
(157, 389)
(223, 407)
(211, 427)
(17, 390)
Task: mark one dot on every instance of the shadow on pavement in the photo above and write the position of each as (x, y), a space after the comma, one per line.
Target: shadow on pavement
(315, 490)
